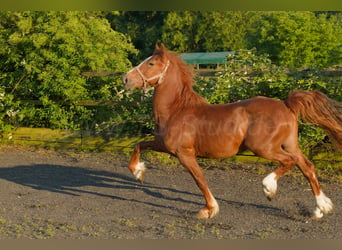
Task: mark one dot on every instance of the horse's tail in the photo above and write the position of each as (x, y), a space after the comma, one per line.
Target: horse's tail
(318, 109)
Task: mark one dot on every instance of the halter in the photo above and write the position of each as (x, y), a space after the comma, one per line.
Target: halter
(146, 80)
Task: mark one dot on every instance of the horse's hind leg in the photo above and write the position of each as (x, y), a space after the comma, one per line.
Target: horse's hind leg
(323, 203)
(287, 161)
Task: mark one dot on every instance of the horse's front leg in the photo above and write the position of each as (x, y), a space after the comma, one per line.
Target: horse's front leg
(190, 163)
(137, 167)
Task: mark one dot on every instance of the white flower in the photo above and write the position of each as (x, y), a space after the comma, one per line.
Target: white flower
(11, 113)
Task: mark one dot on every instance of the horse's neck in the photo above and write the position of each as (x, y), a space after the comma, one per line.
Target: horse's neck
(163, 104)
(170, 98)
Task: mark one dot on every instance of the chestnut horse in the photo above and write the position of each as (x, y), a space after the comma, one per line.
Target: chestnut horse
(187, 127)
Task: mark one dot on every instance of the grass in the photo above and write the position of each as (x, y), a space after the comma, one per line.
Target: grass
(185, 228)
(328, 162)
(126, 222)
(28, 227)
(77, 140)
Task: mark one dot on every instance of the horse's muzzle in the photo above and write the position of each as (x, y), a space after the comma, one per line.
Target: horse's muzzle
(127, 83)
(124, 80)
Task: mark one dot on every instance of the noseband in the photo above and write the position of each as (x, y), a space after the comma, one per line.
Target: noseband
(145, 79)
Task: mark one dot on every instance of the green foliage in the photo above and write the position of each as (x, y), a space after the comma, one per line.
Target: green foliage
(9, 110)
(297, 39)
(247, 76)
(188, 31)
(43, 55)
(290, 38)
(132, 114)
(144, 28)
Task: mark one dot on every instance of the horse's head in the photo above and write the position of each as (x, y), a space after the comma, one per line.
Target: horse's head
(150, 72)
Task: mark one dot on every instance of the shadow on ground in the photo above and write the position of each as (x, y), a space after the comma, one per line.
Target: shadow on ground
(70, 180)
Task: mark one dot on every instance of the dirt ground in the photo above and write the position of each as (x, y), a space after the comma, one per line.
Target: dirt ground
(59, 195)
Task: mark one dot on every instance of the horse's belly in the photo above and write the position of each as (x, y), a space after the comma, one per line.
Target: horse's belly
(220, 138)
(219, 147)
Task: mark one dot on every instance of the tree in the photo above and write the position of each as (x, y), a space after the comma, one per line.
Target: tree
(179, 31)
(191, 31)
(43, 55)
(222, 30)
(144, 28)
(296, 39)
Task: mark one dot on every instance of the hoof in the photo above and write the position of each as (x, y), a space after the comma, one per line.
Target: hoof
(269, 195)
(207, 213)
(317, 214)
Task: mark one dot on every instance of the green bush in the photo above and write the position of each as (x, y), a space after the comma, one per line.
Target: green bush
(43, 56)
(9, 112)
(132, 113)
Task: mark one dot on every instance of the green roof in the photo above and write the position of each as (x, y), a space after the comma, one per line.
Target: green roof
(206, 57)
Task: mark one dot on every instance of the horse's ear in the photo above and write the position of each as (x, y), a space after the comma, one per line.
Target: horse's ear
(161, 50)
(160, 47)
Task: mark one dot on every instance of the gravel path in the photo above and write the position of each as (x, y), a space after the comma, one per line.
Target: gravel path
(55, 195)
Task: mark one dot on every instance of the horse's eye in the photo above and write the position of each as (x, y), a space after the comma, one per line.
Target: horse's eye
(150, 64)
